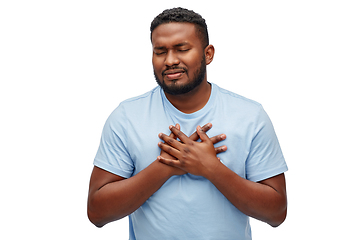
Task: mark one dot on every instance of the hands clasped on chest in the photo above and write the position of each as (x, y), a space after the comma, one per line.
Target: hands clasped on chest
(187, 155)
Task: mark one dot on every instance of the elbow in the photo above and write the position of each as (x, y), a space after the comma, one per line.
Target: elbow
(94, 215)
(99, 217)
(279, 219)
(279, 215)
(276, 224)
(94, 219)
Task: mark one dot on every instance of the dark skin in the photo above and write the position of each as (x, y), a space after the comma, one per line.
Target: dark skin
(113, 197)
(177, 45)
(265, 200)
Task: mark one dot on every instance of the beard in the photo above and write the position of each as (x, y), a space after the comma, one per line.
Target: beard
(177, 89)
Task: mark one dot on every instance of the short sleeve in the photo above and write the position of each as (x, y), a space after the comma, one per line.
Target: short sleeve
(265, 158)
(112, 154)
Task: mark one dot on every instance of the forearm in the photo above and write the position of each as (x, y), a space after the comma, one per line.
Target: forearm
(118, 199)
(265, 201)
(257, 200)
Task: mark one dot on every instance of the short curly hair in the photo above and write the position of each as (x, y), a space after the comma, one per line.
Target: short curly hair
(182, 15)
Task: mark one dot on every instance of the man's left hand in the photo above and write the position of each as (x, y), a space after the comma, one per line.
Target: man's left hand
(197, 158)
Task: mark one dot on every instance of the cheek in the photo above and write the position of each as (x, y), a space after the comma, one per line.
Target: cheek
(193, 67)
(193, 61)
(157, 65)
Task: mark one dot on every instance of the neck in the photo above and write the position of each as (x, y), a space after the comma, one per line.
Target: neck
(192, 101)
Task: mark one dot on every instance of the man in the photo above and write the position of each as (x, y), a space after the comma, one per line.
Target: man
(187, 186)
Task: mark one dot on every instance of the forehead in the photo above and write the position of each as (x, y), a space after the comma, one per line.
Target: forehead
(174, 33)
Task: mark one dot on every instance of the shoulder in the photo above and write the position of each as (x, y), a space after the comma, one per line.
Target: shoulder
(141, 99)
(237, 102)
(130, 110)
(236, 97)
(138, 104)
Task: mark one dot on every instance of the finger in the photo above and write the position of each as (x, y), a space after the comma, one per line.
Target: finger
(220, 149)
(171, 141)
(179, 134)
(218, 138)
(202, 134)
(169, 149)
(205, 128)
(172, 135)
(170, 162)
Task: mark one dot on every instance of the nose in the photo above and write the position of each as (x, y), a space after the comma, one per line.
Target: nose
(171, 59)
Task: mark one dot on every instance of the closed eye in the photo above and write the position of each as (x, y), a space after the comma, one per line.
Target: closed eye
(159, 50)
(183, 50)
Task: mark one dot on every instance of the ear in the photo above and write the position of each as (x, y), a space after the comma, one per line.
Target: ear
(209, 54)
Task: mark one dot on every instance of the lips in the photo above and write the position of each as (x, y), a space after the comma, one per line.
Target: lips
(173, 73)
(172, 76)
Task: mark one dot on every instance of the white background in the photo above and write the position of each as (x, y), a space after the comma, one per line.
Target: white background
(65, 65)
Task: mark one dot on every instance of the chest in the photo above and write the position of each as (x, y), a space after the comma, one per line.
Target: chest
(143, 145)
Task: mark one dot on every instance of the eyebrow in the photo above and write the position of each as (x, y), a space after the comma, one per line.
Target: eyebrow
(159, 48)
(181, 44)
(176, 45)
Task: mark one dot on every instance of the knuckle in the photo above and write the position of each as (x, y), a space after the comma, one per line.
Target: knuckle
(217, 139)
(187, 150)
(184, 159)
(205, 128)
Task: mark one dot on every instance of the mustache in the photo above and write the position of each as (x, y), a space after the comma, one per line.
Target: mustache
(173, 68)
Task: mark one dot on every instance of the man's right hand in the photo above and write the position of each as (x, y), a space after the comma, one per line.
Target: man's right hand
(195, 137)
(112, 197)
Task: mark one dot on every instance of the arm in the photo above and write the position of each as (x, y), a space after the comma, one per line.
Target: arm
(112, 197)
(265, 200)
